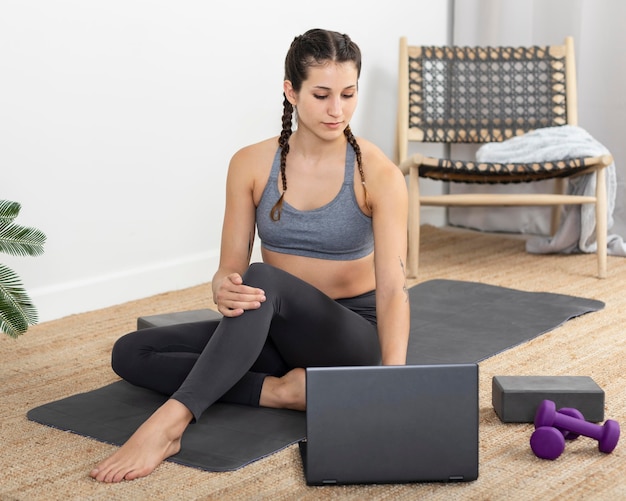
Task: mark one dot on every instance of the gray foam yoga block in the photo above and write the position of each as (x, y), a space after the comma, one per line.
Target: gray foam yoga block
(516, 398)
(180, 317)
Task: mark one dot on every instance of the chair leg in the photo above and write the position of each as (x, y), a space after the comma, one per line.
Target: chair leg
(601, 221)
(414, 223)
(559, 189)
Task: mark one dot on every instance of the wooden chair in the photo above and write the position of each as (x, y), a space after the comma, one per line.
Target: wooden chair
(457, 94)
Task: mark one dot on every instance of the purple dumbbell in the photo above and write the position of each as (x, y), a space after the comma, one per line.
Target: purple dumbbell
(572, 412)
(607, 434)
(547, 442)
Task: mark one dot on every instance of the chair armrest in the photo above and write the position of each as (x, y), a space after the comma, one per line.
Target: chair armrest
(415, 160)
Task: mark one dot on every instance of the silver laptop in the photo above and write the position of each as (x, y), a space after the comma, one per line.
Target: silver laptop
(391, 424)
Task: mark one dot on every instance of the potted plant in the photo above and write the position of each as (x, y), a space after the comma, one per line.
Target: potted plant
(17, 311)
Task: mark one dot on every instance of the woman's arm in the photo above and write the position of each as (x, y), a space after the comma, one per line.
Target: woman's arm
(231, 296)
(388, 196)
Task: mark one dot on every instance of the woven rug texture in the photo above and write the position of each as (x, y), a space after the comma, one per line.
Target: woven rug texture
(60, 358)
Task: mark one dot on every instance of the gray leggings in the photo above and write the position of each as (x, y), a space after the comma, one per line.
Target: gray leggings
(297, 326)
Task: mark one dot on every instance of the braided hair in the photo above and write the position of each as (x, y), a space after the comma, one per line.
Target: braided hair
(313, 48)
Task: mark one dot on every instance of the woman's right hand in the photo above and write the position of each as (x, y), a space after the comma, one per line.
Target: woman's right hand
(233, 297)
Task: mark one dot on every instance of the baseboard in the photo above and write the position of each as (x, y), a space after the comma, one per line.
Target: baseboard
(102, 291)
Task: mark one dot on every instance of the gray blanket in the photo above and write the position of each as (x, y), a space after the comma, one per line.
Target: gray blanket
(578, 225)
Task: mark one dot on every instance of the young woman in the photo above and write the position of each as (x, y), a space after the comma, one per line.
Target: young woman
(331, 213)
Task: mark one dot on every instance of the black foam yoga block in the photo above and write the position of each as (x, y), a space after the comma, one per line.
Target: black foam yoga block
(516, 398)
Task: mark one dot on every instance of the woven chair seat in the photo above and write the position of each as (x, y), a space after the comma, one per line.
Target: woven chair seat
(492, 173)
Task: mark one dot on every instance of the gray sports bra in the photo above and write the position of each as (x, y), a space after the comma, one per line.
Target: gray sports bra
(338, 230)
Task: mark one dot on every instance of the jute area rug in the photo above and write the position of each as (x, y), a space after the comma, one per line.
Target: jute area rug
(71, 355)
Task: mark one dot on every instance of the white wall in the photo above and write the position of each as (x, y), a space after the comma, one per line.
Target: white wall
(118, 119)
(602, 79)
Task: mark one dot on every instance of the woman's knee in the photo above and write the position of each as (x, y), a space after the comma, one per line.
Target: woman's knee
(269, 278)
(258, 273)
(123, 355)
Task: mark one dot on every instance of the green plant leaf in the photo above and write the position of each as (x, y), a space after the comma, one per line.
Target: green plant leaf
(17, 311)
(8, 211)
(21, 240)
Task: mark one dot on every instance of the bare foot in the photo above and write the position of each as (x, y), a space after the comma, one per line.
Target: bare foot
(287, 392)
(155, 440)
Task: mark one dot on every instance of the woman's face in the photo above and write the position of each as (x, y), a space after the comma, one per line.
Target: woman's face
(327, 100)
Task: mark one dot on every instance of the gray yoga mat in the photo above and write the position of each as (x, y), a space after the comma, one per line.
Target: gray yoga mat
(454, 321)
(451, 321)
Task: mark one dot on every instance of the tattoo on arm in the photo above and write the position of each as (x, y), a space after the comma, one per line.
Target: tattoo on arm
(404, 287)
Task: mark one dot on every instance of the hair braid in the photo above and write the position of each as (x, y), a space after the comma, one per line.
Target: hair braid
(283, 143)
(357, 150)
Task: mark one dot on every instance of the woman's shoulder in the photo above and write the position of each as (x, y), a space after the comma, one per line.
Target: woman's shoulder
(252, 163)
(382, 177)
(373, 156)
(256, 151)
